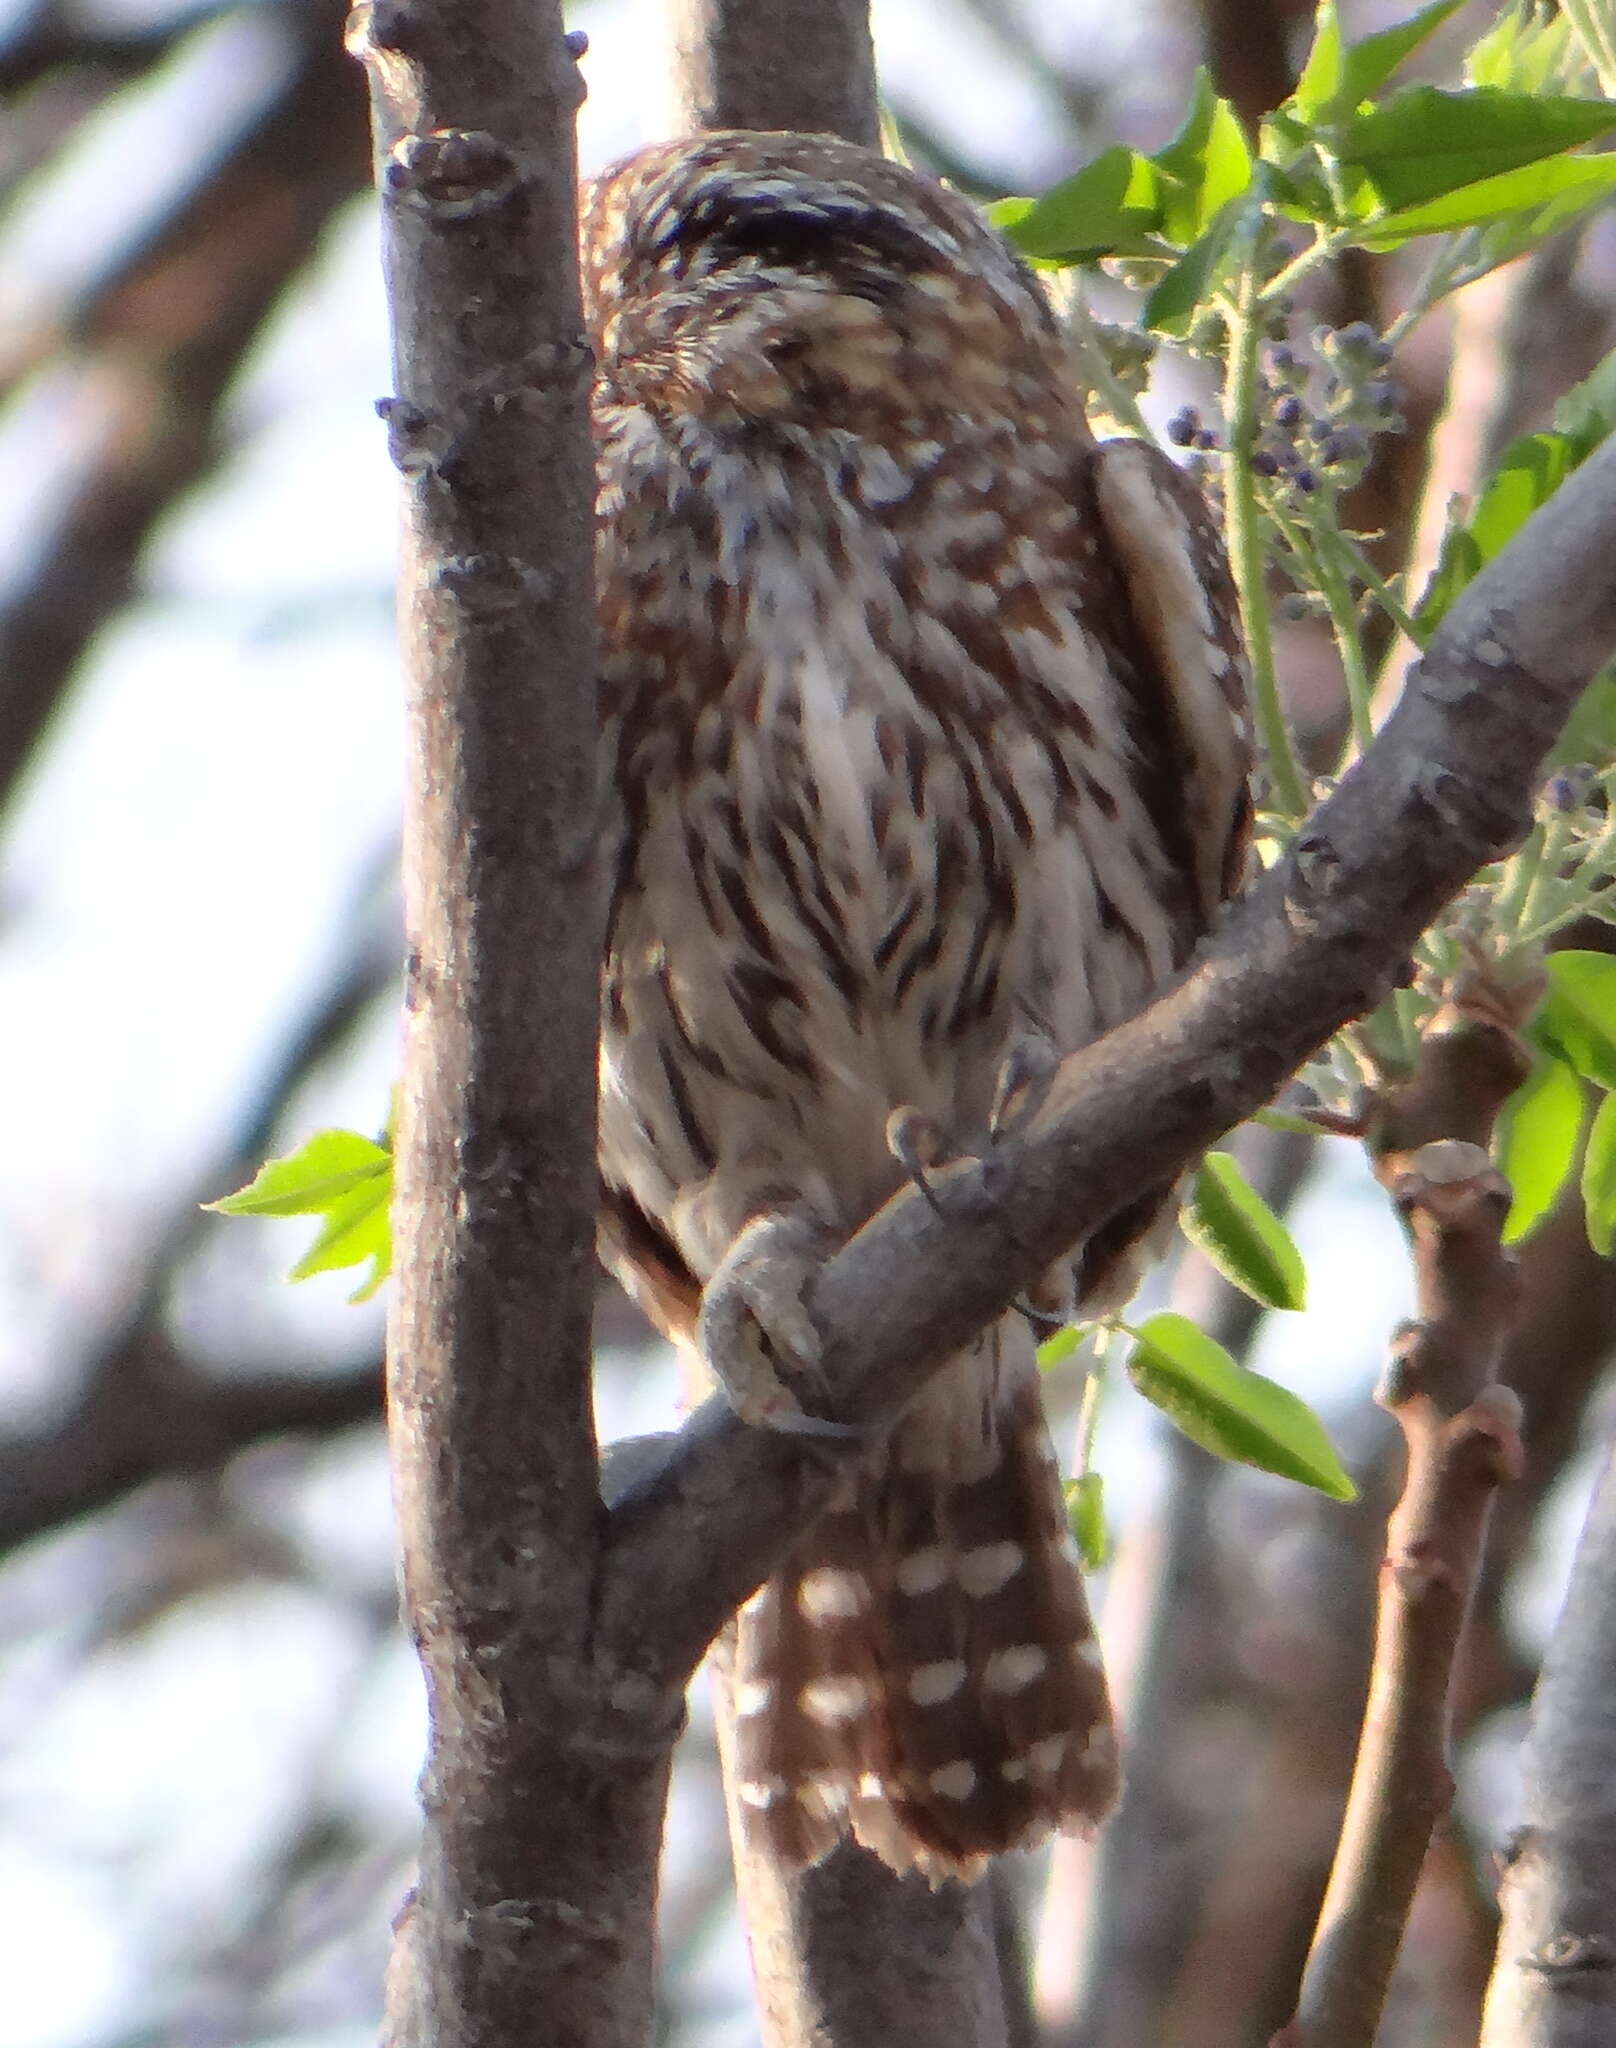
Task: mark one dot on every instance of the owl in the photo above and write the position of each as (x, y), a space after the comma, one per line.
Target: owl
(927, 758)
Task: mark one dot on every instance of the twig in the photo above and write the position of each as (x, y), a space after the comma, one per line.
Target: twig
(1462, 1433)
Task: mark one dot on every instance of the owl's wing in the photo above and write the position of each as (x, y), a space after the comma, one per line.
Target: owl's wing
(1175, 581)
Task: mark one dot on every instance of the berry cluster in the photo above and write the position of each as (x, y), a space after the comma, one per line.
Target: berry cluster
(1318, 422)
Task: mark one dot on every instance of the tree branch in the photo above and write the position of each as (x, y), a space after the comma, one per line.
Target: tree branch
(790, 64)
(544, 1786)
(1554, 1983)
(1462, 1430)
(1321, 938)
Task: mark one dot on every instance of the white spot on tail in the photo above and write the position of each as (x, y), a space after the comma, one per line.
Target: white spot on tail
(923, 1571)
(1100, 1751)
(830, 1595)
(991, 1565)
(830, 1700)
(1014, 1669)
(954, 1781)
(1089, 1652)
(1013, 1769)
(1044, 1756)
(761, 1791)
(931, 1684)
(752, 1696)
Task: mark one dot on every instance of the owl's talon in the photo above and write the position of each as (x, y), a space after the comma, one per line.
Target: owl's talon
(754, 1319)
(1026, 1074)
(915, 1142)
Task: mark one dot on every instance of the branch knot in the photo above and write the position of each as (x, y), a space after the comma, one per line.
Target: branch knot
(454, 173)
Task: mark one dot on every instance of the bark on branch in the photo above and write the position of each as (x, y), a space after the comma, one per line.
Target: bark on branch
(1554, 1984)
(544, 1783)
(791, 64)
(1462, 1432)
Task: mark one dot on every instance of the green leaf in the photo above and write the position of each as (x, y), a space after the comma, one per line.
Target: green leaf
(1568, 183)
(341, 1176)
(1587, 412)
(1085, 1515)
(1599, 1179)
(358, 1226)
(1057, 1349)
(1524, 51)
(1537, 1143)
(1198, 272)
(1109, 208)
(1229, 1411)
(1458, 562)
(1337, 77)
(1422, 143)
(1206, 164)
(1528, 474)
(1318, 93)
(1576, 1021)
(1590, 731)
(1234, 1227)
(306, 1182)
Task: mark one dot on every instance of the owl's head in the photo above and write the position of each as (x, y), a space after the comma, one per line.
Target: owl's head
(754, 272)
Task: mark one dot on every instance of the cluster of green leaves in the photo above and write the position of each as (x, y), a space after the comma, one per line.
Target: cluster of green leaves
(344, 1179)
(1352, 162)
(1551, 1120)
(1195, 1381)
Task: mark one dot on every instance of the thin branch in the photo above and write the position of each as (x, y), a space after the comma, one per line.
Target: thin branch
(1462, 1432)
(1319, 940)
(1554, 1983)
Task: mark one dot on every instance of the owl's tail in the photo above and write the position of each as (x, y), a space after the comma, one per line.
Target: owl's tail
(924, 1672)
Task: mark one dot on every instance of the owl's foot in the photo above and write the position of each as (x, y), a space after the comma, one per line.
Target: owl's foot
(754, 1319)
